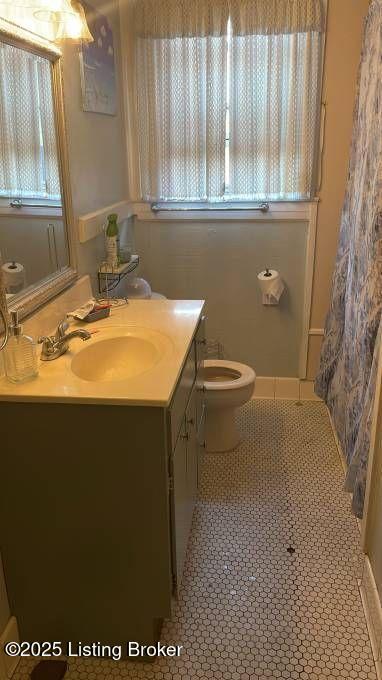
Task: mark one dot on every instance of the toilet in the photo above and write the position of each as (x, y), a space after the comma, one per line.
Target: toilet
(135, 288)
(227, 385)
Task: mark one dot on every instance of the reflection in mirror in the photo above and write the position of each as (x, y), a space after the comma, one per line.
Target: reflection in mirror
(33, 234)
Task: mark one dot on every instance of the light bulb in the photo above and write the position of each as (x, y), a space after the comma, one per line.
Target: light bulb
(69, 27)
(77, 26)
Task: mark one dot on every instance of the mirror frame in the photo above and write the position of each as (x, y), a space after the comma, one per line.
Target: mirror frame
(36, 295)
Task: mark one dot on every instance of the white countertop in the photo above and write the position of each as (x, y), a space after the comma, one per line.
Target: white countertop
(175, 319)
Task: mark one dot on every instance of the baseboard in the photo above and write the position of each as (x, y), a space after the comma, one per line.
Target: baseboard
(8, 664)
(373, 613)
(269, 387)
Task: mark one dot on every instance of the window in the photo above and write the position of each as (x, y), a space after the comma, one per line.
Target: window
(28, 150)
(228, 98)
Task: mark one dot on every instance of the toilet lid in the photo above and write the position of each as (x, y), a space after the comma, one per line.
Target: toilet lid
(226, 375)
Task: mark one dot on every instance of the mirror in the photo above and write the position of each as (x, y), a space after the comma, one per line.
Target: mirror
(34, 217)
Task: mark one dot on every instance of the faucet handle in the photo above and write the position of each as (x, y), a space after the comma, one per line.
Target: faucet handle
(47, 343)
(61, 330)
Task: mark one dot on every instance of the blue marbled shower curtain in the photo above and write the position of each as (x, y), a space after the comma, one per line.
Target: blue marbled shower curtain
(347, 374)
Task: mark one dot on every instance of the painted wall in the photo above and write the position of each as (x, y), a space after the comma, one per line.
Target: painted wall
(343, 46)
(97, 150)
(374, 534)
(219, 262)
(372, 522)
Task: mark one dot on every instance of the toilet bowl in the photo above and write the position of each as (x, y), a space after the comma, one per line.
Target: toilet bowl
(140, 290)
(227, 385)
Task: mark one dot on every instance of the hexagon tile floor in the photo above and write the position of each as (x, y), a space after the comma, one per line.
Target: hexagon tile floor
(270, 584)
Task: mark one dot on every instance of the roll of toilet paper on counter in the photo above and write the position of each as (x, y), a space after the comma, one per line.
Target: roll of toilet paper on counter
(271, 286)
(14, 276)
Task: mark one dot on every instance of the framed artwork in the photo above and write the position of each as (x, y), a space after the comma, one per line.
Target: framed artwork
(98, 80)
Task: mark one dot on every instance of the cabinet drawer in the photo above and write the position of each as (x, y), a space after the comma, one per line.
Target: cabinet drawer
(182, 394)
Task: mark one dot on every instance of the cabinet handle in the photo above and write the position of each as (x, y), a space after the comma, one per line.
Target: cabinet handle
(190, 421)
(202, 342)
(185, 436)
(201, 389)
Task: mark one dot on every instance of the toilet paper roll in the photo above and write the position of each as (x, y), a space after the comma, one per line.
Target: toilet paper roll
(271, 285)
(267, 278)
(14, 276)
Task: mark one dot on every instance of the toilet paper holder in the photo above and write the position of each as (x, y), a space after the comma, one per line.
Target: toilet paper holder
(271, 286)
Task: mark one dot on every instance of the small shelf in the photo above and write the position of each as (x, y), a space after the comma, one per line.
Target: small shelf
(110, 277)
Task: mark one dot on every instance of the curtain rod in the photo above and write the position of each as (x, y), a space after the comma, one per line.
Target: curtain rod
(17, 203)
(156, 207)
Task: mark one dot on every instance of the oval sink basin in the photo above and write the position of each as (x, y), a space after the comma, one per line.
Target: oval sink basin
(119, 358)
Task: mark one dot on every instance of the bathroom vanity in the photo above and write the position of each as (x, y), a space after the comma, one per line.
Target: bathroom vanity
(99, 466)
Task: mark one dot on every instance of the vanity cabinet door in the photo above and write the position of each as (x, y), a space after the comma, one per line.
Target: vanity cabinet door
(191, 375)
(185, 484)
(182, 395)
(180, 506)
(192, 454)
(186, 413)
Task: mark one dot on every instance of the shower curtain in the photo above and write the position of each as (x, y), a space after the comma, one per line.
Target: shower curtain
(348, 366)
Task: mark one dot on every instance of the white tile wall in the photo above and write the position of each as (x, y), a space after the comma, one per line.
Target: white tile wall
(307, 391)
(32, 253)
(264, 388)
(219, 262)
(284, 388)
(287, 388)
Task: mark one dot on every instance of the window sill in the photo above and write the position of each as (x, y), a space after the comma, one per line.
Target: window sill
(286, 211)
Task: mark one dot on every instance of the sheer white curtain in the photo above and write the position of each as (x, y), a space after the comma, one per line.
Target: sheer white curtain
(275, 56)
(48, 130)
(28, 152)
(181, 72)
(228, 98)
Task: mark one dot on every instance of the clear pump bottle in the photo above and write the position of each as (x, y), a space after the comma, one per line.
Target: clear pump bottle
(20, 354)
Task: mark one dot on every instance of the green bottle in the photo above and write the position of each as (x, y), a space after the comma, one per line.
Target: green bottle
(112, 240)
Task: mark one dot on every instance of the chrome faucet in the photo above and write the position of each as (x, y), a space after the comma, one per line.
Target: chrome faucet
(54, 346)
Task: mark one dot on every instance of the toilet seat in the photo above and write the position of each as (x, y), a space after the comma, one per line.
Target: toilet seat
(230, 375)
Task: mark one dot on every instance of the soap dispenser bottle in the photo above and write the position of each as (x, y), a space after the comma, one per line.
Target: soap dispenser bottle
(112, 233)
(20, 354)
